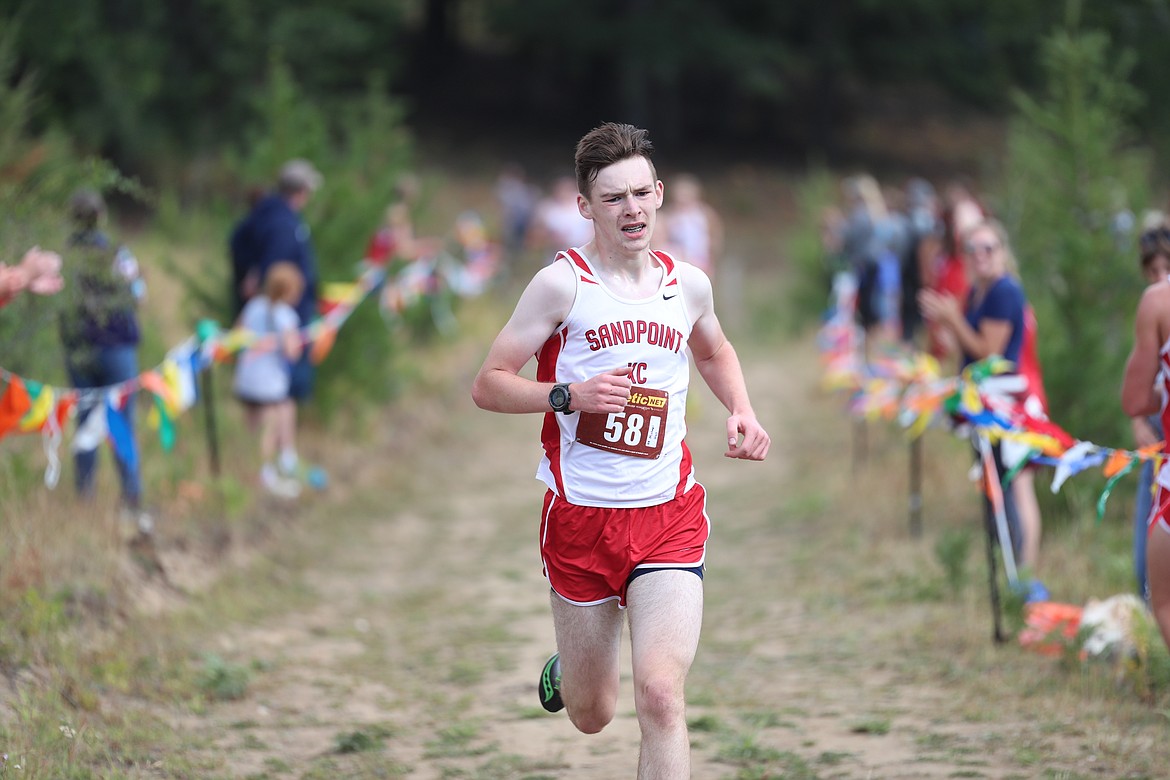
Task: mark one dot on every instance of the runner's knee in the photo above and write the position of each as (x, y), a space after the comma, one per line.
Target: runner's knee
(660, 700)
(592, 716)
(591, 701)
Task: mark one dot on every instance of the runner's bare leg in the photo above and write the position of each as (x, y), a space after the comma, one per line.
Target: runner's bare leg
(1158, 566)
(666, 612)
(589, 641)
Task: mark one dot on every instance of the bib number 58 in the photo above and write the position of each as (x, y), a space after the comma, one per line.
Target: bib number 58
(628, 428)
(637, 431)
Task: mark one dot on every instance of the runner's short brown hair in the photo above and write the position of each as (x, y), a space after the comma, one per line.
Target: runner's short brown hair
(607, 144)
(1154, 242)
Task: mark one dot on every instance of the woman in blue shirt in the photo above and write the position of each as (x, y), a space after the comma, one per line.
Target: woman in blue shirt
(993, 324)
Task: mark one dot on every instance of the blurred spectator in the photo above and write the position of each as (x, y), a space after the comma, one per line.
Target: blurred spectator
(558, 222)
(863, 243)
(832, 228)
(517, 198)
(924, 229)
(948, 269)
(274, 232)
(480, 256)
(264, 370)
(1154, 248)
(965, 209)
(691, 228)
(892, 239)
(395, 239)
(1033, 402)
(994, 322)
(245, 273)
(1122, 222)
(100, 334)
(38, 272)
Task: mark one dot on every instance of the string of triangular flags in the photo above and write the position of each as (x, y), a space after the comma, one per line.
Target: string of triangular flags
(906, 386)
(30, 406)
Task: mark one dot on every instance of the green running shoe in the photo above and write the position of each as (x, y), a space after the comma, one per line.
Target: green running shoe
(549, 688)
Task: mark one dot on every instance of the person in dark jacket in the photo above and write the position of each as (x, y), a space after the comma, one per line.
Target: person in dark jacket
(273, 231)
(245, 281)
(100, 334)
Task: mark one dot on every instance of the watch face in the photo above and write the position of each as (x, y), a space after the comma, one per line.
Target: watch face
(558, 398)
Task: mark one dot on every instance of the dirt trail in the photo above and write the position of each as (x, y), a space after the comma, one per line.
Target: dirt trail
(430, 622)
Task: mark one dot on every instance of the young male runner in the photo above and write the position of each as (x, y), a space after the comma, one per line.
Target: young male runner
(624, 522)
(1144, 388)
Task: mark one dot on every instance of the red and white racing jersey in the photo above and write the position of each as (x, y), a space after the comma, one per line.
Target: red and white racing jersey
(1164, 384)
(636, 457)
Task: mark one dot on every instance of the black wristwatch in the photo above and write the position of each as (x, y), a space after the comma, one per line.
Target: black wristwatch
(559, 399)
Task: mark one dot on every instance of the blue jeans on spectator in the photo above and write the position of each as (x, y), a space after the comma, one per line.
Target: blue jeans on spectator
(1141, 515)
(1143, 503)
(300, 387)
(101, 367)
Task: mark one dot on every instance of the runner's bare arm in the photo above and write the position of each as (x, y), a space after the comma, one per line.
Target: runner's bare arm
(498, 387)
(1139, 394)
(718, 364)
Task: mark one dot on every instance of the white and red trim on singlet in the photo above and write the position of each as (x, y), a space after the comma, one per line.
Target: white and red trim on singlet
(1160, 510)
(1164, 380)
(603, 332)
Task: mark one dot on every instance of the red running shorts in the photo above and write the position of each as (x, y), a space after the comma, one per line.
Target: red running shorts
(590, 553)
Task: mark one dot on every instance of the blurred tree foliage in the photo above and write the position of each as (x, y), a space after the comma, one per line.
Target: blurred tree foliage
(138, 80)
(358, 140)
(811, 292)
(141, 80)
(1072, 169)
(37, 174)
(362, 147)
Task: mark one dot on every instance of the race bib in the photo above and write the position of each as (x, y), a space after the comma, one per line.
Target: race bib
(638, 431)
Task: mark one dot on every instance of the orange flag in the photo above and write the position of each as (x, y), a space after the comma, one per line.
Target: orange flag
(1117, 461)
(14, 405)
(322, 344)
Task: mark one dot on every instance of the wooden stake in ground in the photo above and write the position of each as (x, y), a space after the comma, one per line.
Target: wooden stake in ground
(211, 431)
(915, 500)
(995, 516)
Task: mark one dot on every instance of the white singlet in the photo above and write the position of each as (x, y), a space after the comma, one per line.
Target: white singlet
(631, 458)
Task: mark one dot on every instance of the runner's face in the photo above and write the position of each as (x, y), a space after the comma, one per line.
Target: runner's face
(623, 204)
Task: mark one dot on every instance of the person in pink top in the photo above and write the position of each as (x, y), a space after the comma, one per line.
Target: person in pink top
(558, 222)
(693, 230)
(947, 275)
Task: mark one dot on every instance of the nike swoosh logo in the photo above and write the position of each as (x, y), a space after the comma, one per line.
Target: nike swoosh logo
(666, 297)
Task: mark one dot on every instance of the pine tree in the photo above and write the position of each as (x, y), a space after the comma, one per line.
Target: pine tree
(1072, 169)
